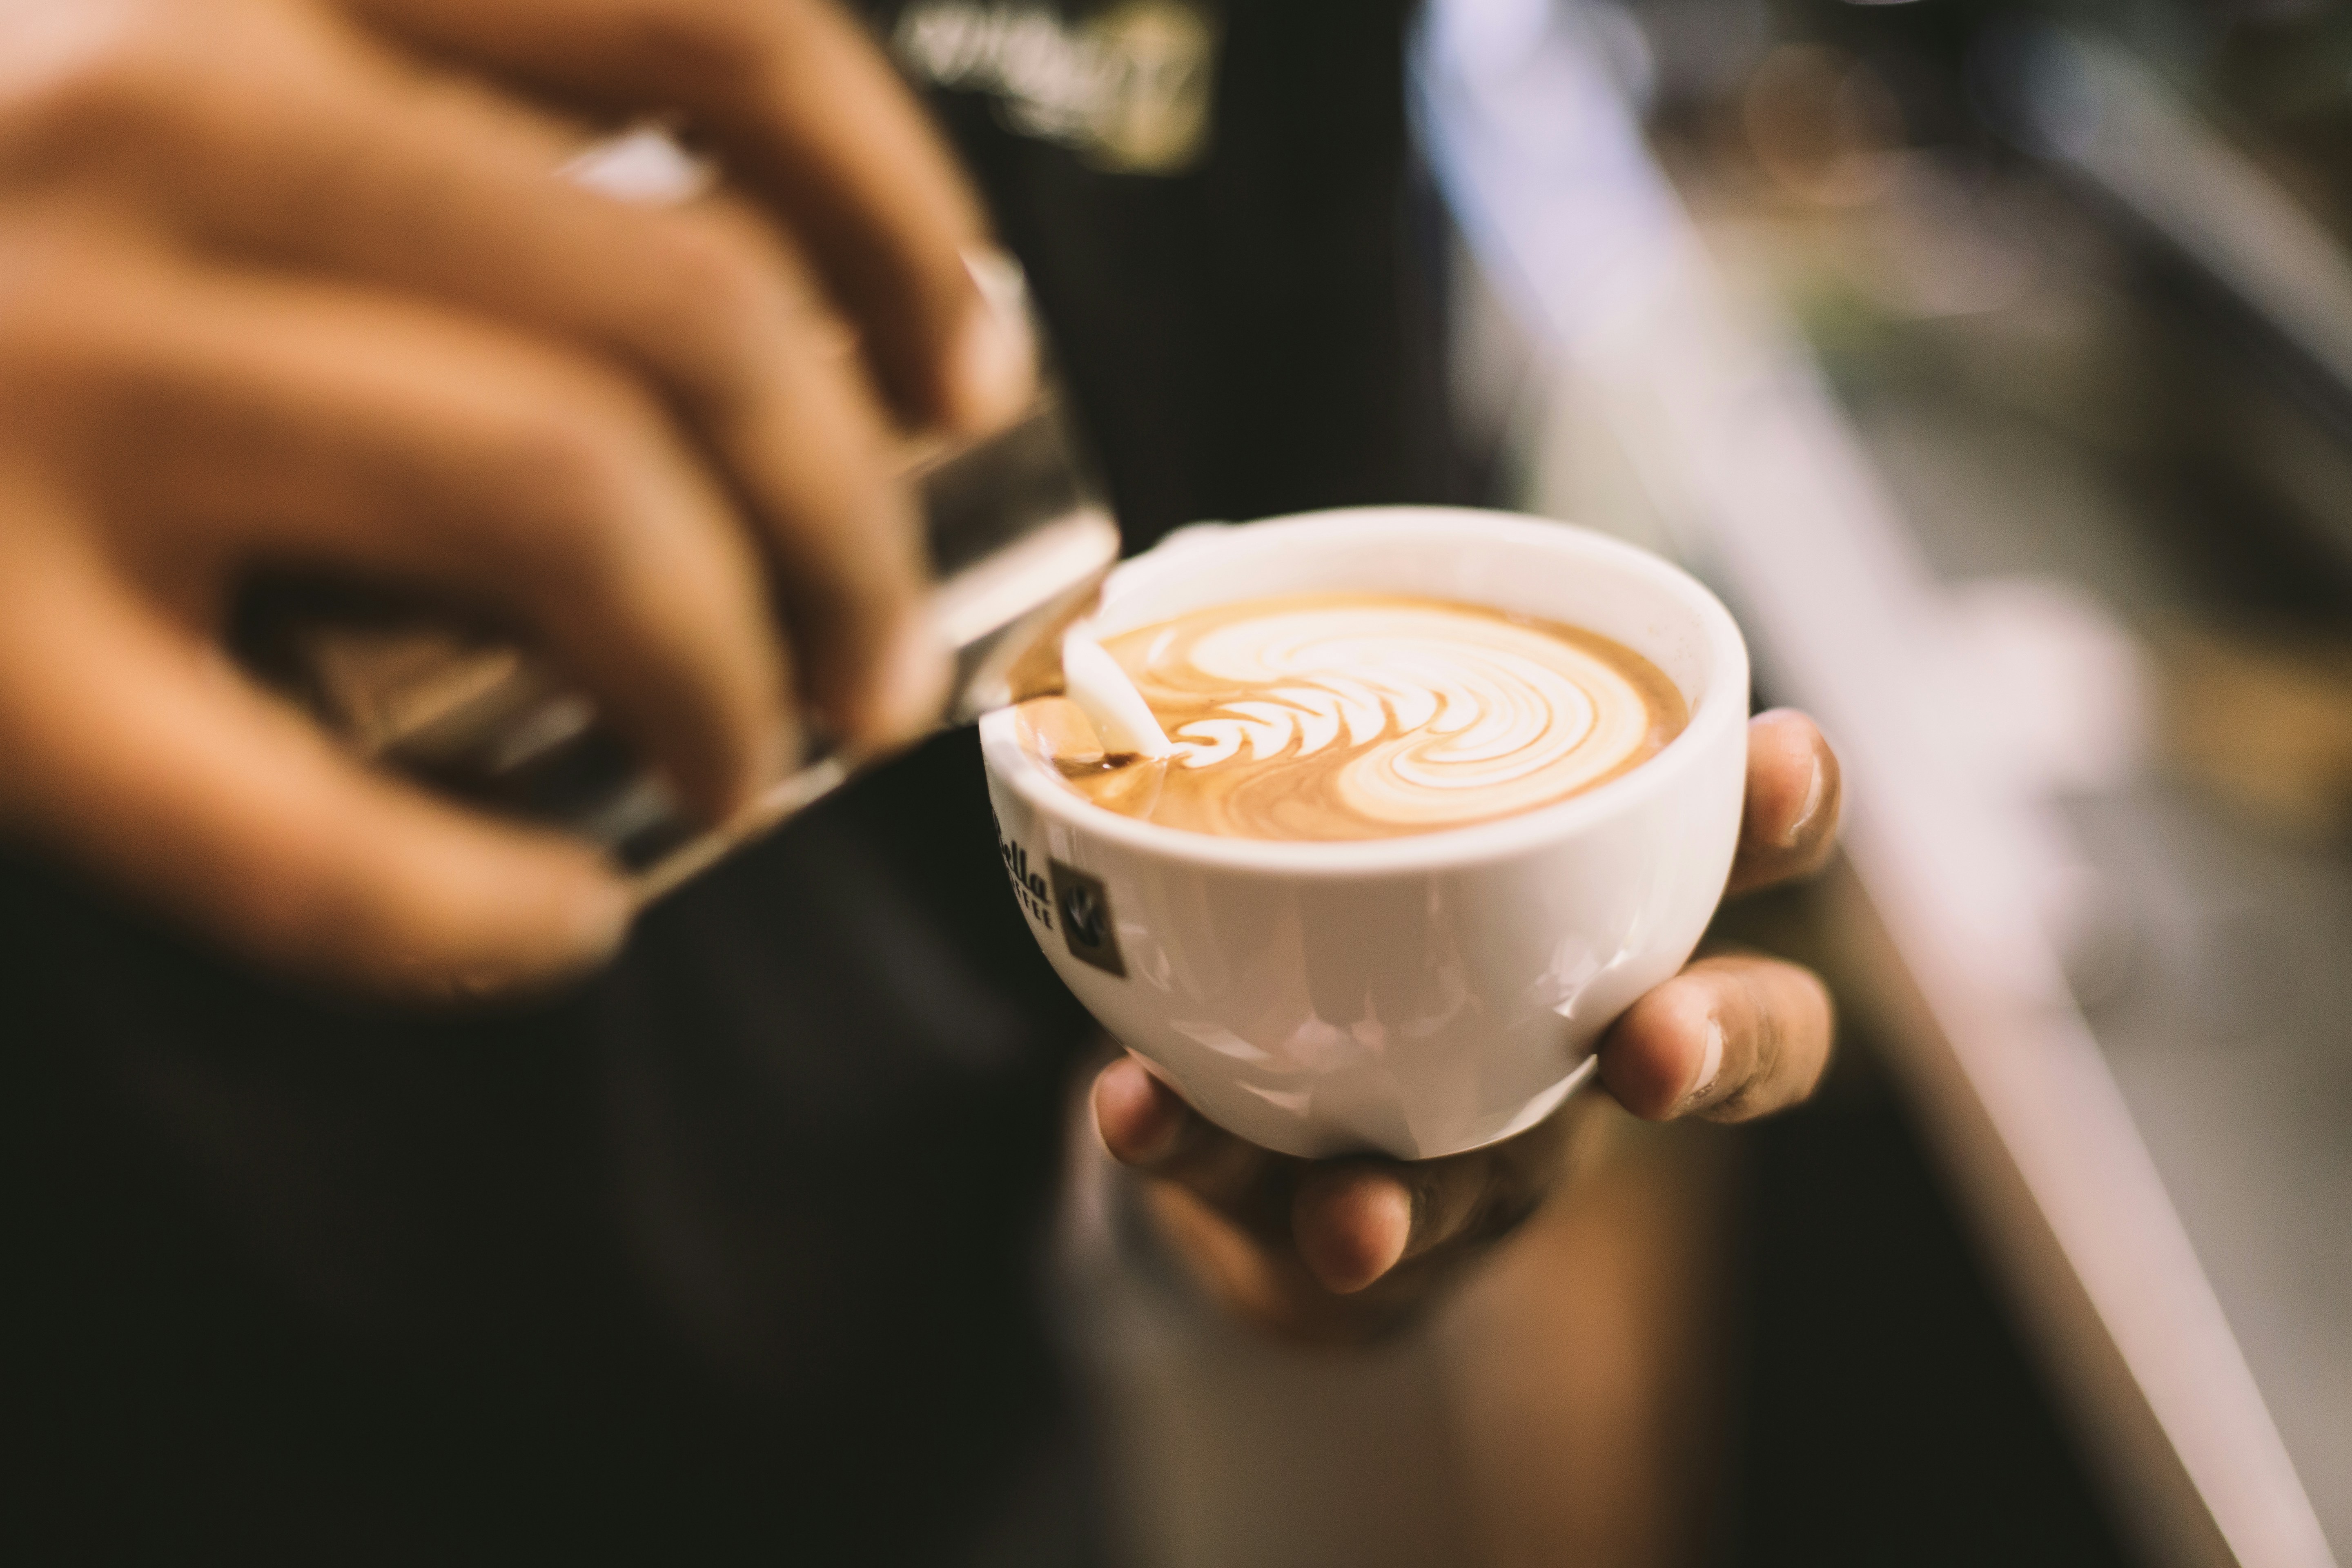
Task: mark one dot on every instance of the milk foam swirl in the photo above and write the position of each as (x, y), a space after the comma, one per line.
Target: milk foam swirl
(1353, 716)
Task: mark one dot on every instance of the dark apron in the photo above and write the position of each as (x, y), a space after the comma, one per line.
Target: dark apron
(739, 1249)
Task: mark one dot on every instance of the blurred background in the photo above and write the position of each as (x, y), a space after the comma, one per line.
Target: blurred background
(1995, 362)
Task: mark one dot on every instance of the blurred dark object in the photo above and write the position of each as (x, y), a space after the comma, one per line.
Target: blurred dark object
(1890, 1405)
(2266, 724)
(2149, 160)
(1262, 332)
(1890, 1412)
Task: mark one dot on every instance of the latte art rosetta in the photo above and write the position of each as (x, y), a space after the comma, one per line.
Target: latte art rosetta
(1364, 716)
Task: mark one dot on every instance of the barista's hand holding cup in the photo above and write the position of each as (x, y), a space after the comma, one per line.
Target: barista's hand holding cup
(1450, 795)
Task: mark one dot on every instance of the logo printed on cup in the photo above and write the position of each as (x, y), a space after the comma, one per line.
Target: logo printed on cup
(1027, 886)
(1085, 919)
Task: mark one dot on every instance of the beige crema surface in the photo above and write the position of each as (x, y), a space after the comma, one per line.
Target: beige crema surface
(1346, 716)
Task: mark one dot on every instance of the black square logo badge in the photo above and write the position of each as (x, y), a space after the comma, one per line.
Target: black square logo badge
(1086, 917)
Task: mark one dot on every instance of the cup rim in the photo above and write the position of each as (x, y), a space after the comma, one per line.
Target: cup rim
(1723, 704)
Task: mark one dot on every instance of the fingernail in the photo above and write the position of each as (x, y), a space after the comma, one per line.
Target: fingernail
(1816, 787)
(1710, 1065)
(993, 371)
(1397, 1239)
(644, 165)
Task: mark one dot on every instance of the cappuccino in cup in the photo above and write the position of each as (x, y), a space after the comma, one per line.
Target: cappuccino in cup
(1348, 716)
(1447, 791)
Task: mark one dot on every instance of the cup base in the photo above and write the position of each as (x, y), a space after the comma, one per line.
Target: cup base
(1304, 1140)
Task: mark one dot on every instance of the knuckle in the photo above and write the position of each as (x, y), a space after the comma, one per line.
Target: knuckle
(717, 274)
(149, 90)
(299, 903)
(35, 301)
(568, 468)
(98, 74)
(718, 294)
(65, 288)
(726, 49)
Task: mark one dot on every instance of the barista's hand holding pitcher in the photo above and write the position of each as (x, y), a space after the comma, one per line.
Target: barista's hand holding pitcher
(1341, 1248)
(291, 282)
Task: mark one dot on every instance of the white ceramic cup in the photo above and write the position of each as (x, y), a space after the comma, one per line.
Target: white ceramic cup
(1411, 996)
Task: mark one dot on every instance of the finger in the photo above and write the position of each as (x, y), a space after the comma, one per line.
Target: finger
(809, 114)
(1351, 1221)
(1147, 1125)
(323, 427)
(1357, 1221)
(1730, 1038)
(364, 169)
(133, 751)
(1794, 796)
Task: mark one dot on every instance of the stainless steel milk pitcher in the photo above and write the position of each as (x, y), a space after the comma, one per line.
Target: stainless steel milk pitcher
(1020, 540)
